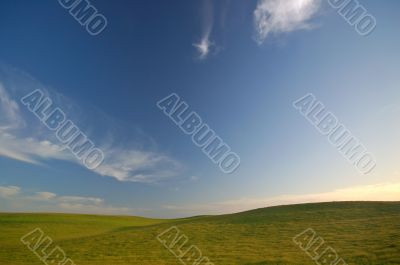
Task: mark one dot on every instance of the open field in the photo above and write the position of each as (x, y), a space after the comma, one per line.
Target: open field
(360, 232)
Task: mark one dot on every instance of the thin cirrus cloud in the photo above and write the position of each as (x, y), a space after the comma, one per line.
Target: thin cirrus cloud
(281, 16)
(205, 45)
(23, 138)
(26, 149)
(8, 191)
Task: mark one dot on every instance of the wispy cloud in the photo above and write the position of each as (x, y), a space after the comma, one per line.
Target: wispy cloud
(43, 196)
(24, 138)
(280, 16)
(205, 45)
(10, 111)
(26, 149)
(138, 166)
(378, 192)
(21, 200)
(9, 191)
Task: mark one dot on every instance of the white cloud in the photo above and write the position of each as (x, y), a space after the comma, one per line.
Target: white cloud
(24, 138)
(94, 209)
(378, 192)
(280, 16)
(9, 191)
(138, 166)
(44, 196)
(9, 110)
(30, 150)
(21, 148)
(51, 202)
(205, 45)
(77, 199)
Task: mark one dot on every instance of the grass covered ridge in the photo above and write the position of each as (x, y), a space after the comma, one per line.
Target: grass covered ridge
(361, 233)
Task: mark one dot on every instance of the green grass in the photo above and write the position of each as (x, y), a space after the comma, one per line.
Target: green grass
(360, 232)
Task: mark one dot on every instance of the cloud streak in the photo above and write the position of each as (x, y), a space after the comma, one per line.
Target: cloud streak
(205, 45)
(21, 200)
(281, 16)
(24, 138)
(26, 149)
(9, 191)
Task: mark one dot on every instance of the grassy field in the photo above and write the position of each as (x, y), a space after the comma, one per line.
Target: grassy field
(360, 232)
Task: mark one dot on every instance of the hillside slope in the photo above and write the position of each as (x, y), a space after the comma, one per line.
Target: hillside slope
(360, 232)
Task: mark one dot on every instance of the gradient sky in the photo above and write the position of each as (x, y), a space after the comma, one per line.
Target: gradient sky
(241, 81)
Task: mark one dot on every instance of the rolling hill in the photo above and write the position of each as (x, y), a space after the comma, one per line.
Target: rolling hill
(359, 232)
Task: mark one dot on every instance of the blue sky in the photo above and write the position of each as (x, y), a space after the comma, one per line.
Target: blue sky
(238, 64)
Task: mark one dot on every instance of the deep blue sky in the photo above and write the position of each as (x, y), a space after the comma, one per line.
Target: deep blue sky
(109, 84)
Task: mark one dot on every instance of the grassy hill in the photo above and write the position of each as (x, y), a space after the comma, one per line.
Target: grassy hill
(360, 232)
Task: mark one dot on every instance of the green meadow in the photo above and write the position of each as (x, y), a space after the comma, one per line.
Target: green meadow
(360, 232)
